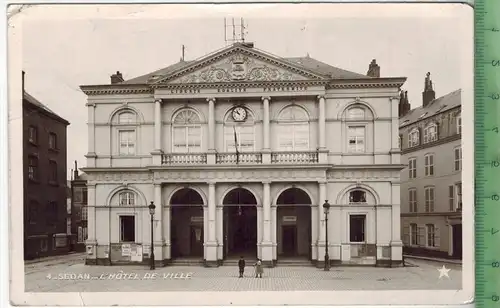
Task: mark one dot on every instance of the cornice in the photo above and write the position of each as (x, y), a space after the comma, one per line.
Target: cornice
(366, 83)
(116, 89)
(261, 84)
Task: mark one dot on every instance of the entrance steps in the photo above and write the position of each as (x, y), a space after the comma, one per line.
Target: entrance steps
(187, 262)
(294, 262)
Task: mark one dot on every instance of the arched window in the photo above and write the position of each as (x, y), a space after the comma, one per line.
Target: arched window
(414, 138)
(241, 131)
(293, 129)
(126, 125)
(126, 117)
(358, 121)
(430, 133)
(186, 132)
(127, 198)
(357, 196)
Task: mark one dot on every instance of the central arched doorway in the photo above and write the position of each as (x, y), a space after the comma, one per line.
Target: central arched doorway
(186, 225)
(293, 224)
(240, 224)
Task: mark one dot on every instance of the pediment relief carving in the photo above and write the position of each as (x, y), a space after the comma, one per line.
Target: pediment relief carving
(240, 67)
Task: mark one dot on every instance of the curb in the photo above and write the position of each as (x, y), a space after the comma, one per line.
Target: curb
(434, 259)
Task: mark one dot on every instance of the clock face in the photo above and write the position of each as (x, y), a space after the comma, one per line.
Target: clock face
(239, 114)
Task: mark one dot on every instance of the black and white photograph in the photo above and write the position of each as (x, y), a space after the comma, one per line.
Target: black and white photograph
(241, 154)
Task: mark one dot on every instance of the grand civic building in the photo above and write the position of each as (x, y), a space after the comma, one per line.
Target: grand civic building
(238, 151)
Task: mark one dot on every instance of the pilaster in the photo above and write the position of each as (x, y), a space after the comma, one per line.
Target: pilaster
(158, 220)
(211, 244)
(91, 155)
(267, 247)
(157, 151)
(274, 235)
(91, 242)
(266, 151)
(395, 149)
(211, 131)
(321, 223)
(396, 243)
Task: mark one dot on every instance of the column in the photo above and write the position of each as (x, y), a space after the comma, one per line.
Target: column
(274, 235)
(395, 150)
(259, 231)
(211, 244)
(321, 222)
(396, 243)
(266, 149)
(91, 155)
(91, 241)
(220, 232)
(158, 221)
(157, 151)
(267, 248)
(211, 131)
(323, 153)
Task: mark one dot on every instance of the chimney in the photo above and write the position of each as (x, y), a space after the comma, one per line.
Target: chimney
(23, 82)
(428, 95)
(75, 172)
(117, 78)
(373, 69)
(404, 105)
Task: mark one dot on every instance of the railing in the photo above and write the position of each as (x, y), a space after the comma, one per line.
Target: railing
(294, 157)
(241, 158)
(184, 159)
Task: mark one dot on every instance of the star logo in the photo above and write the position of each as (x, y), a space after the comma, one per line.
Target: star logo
(443, 272)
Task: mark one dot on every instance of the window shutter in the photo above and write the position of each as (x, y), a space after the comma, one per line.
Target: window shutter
(421, 236)
(437, 237)
(406, 236)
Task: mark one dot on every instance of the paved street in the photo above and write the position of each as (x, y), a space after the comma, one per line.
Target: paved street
(69, 274)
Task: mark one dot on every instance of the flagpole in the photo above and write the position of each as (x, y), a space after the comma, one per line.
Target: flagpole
(236, 146)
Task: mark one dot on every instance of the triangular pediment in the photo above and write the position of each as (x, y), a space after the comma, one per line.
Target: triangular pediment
(239, 64)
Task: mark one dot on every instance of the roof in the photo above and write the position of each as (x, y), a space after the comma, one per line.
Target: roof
(33, 101)
(439, 105)
(307, 63)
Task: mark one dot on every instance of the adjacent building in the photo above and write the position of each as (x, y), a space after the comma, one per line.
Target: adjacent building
(238, 151)
(431, 185)
(44, 159)
(79, 209)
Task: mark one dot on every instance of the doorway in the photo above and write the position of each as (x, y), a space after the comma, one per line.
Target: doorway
(289, 240)
(240, 224)
(196, 240)
(457, 241)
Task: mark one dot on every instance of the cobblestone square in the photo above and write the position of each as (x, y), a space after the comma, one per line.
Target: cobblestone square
(69, 274)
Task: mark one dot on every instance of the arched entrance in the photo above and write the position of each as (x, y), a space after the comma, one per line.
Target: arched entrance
(293, 224)
(186, 225)
(240, 223)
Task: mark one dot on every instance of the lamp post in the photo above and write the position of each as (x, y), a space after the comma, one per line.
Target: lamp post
(152, 254)
(326, 208)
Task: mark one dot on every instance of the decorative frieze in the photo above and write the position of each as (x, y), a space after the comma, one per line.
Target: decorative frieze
(241, 175)
(363, 174)
(120, 176)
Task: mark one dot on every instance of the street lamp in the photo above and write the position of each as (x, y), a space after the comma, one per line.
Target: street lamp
(326, 208)
(152, 254)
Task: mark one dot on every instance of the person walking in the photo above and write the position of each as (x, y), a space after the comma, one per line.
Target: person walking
(258, 269)
(241, 266)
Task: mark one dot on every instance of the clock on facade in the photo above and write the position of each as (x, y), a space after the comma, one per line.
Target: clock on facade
(239, 114)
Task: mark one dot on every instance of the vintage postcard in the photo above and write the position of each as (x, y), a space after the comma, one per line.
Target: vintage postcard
(256, 154)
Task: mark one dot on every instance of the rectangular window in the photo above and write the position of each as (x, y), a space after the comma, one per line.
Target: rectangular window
(451, 197)
(413, 234)
(127, 142)
(412, 168)
(458, 159)
(429, 165)
(33, 168)
(127, 228)
(458, 188)
(356, 136)
(33, 134)
(431, 235)
(412, 198)
(429, 199)
(244, 136)
(52, 171)
(52, 141)
(459, 124)
(357, 225)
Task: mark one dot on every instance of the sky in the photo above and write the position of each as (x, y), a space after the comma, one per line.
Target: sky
(60, 53)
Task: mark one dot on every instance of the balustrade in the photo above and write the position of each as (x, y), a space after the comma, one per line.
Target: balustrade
(184, 159)
(241, 158)
(294, 157)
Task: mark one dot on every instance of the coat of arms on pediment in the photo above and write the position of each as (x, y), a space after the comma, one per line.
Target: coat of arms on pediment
(239, 67)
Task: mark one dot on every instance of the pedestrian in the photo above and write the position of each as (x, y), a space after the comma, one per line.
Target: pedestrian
(258, 269)
(241, 265)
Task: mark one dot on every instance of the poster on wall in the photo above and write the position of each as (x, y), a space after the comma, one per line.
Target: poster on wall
(126, 250)
(136, 254)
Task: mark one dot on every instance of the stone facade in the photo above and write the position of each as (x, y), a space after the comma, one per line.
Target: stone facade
(303, 136)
